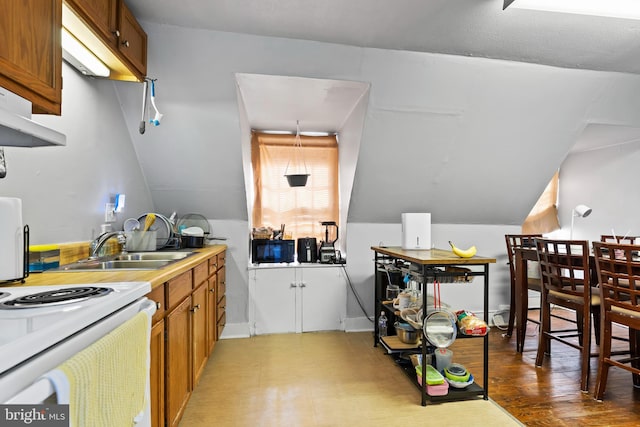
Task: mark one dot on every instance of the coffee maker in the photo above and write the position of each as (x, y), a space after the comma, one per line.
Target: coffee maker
(327, 251)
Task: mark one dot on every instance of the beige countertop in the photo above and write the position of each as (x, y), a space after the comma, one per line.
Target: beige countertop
(155, 277)
(431, 256)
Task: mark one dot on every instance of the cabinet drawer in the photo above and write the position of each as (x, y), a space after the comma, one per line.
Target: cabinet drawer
(157, 295)
(200, 273)
(221, 307)
(222, 257)
(221, 283)
(179, 287)
(213, 264)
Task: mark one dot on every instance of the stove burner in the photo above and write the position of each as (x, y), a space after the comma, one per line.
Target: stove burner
(56, 297)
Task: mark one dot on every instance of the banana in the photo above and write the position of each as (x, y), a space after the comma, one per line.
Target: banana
(463, 253)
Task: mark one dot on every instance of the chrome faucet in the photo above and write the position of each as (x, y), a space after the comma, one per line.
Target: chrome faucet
(98, 243)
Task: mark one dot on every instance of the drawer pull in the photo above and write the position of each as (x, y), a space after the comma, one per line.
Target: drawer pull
(196, 308)
(125, 43)
(158, 305)
(116, 33)
(212, 290)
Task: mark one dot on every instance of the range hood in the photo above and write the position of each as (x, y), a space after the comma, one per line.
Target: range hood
(16, 127)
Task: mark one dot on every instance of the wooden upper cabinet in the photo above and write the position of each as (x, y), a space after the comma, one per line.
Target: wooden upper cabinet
(102, 15)
(30, 52)
(112, 33)
(133, 40)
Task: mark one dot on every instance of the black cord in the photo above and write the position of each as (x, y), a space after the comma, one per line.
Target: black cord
(356, 295)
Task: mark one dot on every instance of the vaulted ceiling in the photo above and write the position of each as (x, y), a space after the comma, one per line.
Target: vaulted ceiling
(443, 133)
(478, 28)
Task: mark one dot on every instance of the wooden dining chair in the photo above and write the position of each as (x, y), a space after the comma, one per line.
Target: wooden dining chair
(627, 240)
(515, 241)
(619, 278)
(566, 282)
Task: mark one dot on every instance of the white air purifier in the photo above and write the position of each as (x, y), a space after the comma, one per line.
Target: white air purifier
(416, 231)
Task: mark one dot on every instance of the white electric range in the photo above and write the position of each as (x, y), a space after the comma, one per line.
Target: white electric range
(43, 326)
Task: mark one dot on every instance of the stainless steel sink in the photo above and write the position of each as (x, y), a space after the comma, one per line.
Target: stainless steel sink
(127, 261)
(143, 256)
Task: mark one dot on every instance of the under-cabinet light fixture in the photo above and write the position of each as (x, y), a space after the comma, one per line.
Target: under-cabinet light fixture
(626, 9)
(81, 58)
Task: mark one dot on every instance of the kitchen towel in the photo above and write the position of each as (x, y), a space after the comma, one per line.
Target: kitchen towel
(106, 384)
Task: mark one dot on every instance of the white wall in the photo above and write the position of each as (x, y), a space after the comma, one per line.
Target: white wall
(605, 180)
(488, 239)
(64, 189)
(442, 134)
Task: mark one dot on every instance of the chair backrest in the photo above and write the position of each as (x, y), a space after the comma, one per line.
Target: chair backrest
(627, 240)
(515, 241)
(619, 275)
(564, 266)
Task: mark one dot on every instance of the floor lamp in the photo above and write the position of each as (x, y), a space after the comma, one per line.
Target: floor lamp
(581, 211)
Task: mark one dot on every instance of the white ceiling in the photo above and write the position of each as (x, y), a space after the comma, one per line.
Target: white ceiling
(278, 102)
(460, 27)
(477, 28)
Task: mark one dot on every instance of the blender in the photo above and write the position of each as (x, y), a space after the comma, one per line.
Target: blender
(327, 251)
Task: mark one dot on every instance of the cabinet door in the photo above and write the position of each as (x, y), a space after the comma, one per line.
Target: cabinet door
(212, 317)
(31, 53)
(178, 361)
(133, 40)
(275, 301)
(157, 374)
(221, 282)
(324, 299)
(100, 15)
(199, 331)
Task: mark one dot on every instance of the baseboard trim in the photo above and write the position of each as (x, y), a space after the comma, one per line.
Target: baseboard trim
(235, 330)
(357, 324)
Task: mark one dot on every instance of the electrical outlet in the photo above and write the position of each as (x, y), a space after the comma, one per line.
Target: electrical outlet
(109, 213)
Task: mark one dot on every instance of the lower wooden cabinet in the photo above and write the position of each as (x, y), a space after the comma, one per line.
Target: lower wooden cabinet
(212, 317)
(185, 328)
(178, 361)
(200, 349)
(156, 374)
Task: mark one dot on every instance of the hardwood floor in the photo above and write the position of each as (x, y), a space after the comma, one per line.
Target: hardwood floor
(550, 395)
(335, 378)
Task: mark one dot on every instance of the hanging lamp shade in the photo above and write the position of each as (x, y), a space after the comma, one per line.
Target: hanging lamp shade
(297, 179)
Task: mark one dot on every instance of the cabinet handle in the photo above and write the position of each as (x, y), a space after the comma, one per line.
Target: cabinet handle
(125, 43)
(158, 305)
(116, 33)
(212, 290)
(303, 285)
(293, 285)
(196, 308)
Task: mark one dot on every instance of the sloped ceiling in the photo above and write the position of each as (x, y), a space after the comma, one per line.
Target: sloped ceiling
(471, 140)
(478, 28)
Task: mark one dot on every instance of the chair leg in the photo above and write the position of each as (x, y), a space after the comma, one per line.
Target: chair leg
(580, 327)
(596, 323)
(544, 342)
(603, 365)
(634, 347)
(585, 351)
(512, 309)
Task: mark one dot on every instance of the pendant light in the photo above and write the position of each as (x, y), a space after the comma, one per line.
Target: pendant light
(297, 179)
